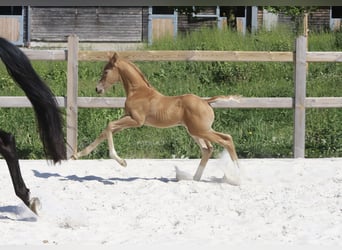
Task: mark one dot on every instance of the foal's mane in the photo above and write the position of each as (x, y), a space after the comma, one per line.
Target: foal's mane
(139, 72)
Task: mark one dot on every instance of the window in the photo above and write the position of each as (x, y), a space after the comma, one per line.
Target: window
(162, 10)
(336, 12)
(11, 10)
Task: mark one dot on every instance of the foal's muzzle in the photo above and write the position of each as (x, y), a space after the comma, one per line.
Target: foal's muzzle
(99, 89)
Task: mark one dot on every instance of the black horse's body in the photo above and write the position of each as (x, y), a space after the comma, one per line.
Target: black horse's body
(46, 110)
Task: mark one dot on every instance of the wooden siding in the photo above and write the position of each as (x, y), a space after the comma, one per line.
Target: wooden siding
(187, 23)
(260, 17)
(124, 24)
(320, 19)
(88, 23)
(145, 17)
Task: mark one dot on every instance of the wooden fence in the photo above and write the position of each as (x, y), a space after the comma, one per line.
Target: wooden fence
(299, 102)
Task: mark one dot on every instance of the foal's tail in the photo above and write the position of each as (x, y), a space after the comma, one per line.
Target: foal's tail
(42, 99)
(223, 97)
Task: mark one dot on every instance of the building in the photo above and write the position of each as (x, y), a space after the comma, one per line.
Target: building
(25, 25)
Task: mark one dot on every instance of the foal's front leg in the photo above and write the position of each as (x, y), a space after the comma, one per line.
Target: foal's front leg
(207, 150)
(112, 152)
(112, 128)
(116, 126)
(90, 147)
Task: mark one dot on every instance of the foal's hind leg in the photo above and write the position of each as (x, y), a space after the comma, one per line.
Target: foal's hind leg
(8, 150)
(226, 141)
(207, 150)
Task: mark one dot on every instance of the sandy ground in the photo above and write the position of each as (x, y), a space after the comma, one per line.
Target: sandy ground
(283, 202)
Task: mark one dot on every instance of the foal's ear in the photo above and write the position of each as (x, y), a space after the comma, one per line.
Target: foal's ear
(112, 57)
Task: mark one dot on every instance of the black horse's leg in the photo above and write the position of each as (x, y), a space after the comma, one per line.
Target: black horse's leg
(8, 150)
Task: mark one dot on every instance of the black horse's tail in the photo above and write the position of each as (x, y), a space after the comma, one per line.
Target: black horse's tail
(42, 99)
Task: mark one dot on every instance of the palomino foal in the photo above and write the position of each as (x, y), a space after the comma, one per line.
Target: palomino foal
(146, 106)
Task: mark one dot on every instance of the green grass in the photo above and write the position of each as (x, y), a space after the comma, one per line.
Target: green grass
(256, 132)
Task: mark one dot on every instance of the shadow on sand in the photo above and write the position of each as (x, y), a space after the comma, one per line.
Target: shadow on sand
(17, 213)
(110, 181)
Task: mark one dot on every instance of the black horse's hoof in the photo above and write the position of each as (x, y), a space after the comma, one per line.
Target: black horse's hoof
(35, 205)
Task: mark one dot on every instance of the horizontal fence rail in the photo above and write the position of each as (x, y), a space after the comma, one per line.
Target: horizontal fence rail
(299, 102)
(245, 102)
(186, 55)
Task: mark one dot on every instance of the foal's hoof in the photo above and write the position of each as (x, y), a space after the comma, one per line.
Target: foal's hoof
(74, 157)
(123, 162)
(232, 181)
(35, 205)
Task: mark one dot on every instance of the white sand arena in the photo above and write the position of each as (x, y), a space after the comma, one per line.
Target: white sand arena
(282, 202)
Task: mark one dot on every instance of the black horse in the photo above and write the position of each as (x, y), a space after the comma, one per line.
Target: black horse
(47, 114)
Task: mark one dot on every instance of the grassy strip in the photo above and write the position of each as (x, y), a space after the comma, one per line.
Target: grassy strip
(257, 132)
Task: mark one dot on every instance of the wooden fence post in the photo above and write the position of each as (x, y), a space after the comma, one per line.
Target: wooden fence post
(300, 95)
(72, 94)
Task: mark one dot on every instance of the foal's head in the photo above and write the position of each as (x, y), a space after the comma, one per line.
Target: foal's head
(110, 75)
